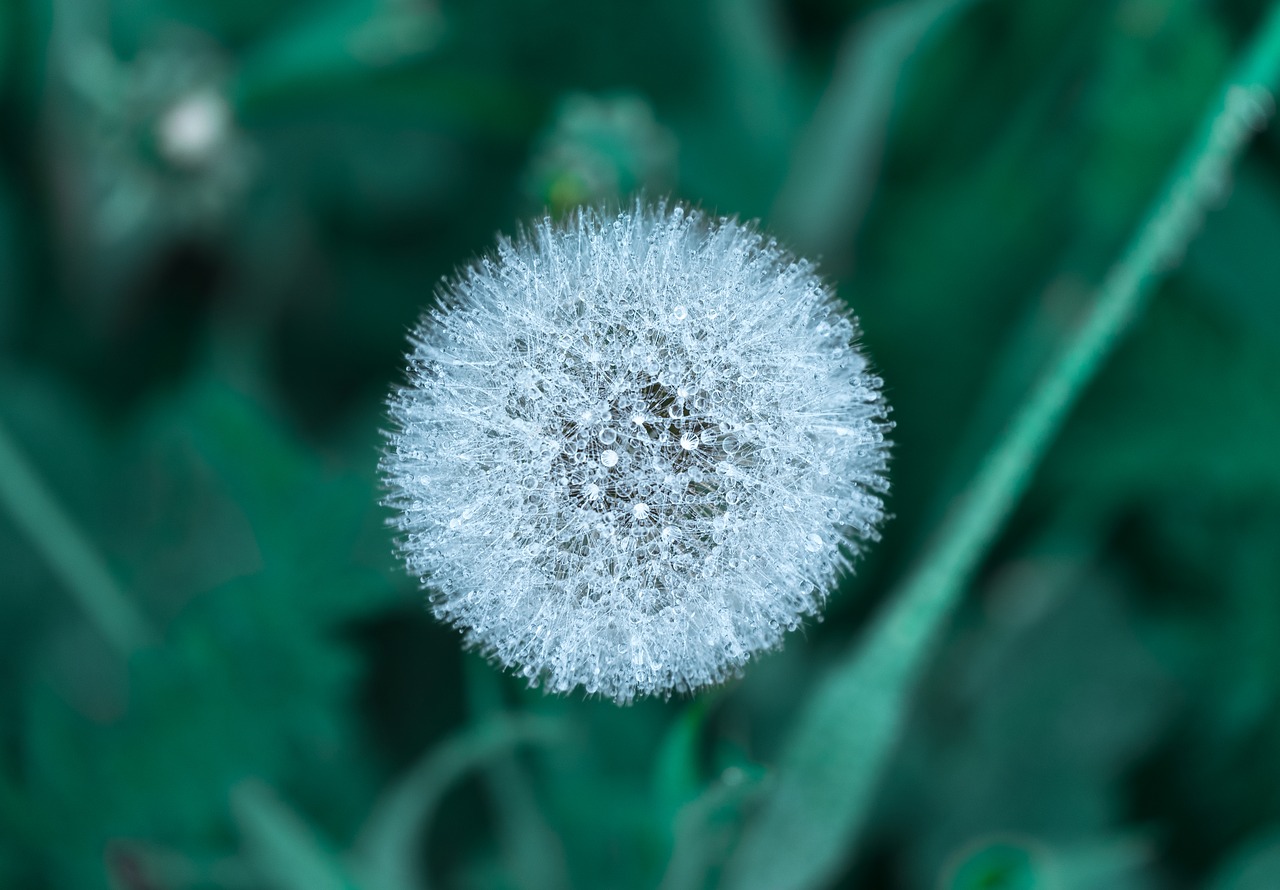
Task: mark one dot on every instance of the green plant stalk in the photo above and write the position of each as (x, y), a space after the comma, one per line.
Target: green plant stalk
(845, 733)
(68, 552)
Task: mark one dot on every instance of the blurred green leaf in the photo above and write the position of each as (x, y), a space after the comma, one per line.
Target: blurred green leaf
(1189, 402)
(225, 452)
(1256, 866)
(241, 689)
(1209, 572)
(249, 681)
(1052, 645)
(1232, 263)
(1144, 96)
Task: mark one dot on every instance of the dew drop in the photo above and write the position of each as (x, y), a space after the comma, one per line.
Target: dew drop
(679, 313)
(607, 436)
(688, 442)
(609, 458)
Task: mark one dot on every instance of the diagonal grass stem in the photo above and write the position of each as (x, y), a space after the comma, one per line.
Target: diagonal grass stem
(68, 551)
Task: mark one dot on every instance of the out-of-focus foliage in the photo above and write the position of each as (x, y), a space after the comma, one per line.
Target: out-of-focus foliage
(218, 218)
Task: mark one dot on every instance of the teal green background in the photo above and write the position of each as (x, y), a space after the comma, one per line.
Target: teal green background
(195, 351)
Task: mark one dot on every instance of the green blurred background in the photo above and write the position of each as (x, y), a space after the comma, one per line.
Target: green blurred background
(218, 219)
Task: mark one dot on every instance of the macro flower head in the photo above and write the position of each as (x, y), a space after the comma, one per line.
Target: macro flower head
(634, 450)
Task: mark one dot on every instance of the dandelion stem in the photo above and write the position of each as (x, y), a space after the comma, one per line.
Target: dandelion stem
(845, 733)
(68, 551)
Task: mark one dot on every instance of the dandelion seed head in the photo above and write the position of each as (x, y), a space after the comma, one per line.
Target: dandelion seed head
(635, 450)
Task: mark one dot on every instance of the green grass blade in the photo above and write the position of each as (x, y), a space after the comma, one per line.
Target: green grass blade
(833, 759)
(386, 852)
(68, 552)
(700, 822)
(838, 155)
(283, 849)
(757, 84)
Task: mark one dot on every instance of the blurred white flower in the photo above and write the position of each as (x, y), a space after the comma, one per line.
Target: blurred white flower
(635, 451)
(151, 145)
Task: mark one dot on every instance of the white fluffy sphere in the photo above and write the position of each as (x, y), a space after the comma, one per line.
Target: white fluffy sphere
(634, 451)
